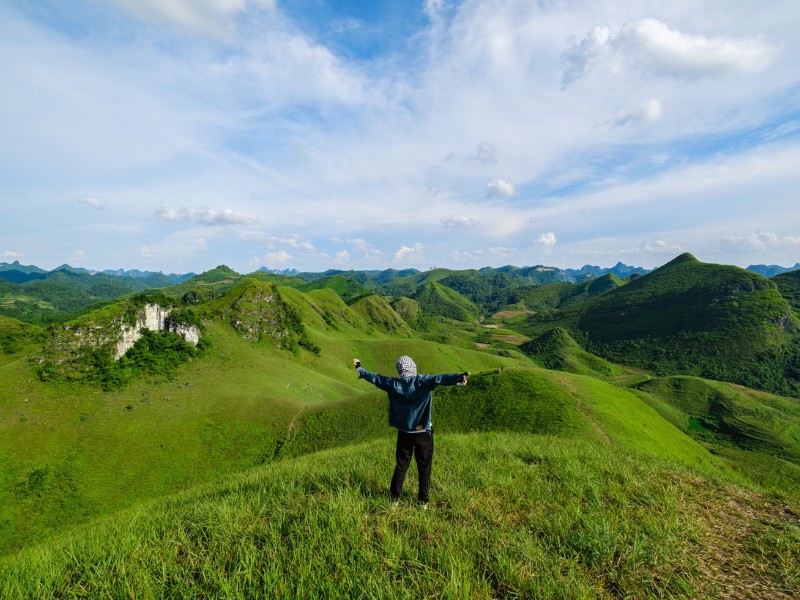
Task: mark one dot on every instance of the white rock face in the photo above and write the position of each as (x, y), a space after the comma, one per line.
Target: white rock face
(189, 333)
(153, 318)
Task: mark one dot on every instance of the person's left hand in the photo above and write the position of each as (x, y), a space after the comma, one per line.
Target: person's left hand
(356, 363)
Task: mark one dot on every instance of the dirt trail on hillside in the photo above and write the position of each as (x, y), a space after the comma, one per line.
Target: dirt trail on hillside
(734, 537)
(594, 424)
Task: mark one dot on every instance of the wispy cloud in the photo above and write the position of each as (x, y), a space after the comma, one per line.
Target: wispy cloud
(237, 121)
(212, 17)
(206, 216)
(547, 241)
(92, 201)
(661, 247)
(652, 45)
(458, 222)
(500, 188)
(647, 112)
(487, 255)
(294, 240)
(409, 254)
(758, 241)
(279, 257)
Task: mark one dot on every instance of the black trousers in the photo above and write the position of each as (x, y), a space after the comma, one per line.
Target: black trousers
(420, 445)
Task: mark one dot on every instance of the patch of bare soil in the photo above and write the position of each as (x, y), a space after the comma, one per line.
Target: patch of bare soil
(746, 548)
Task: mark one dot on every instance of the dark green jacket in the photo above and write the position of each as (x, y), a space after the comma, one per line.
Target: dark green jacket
(410, 397)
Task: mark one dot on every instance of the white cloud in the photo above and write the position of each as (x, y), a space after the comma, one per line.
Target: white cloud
(213, 17)
(547, 240)
(293, 240)
(206, 216)
(754, 241)
(146, 252)
(500, 188)
(791, 242)
(342, 257)
(280, 257)
(363, 246)
(648, 112)
(407, 254)
(576, 61)
(12, 254)
(92, 201)
(661, 247)
(652, 45)
(489, 254)
(457, 222)
(289, 123)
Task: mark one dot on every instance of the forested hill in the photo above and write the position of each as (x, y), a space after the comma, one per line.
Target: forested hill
(689, 317)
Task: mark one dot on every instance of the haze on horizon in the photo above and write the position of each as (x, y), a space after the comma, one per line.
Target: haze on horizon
(317, 134)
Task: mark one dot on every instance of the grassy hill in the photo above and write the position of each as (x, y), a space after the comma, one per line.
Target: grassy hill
(17, 337)
(70, 451)
(758, 434)
(557, 350)
(691, 318)
(789, 286)
(437, 299)
(259, 467)
(62, 295)
(560, 295)
(512, 515)
(348, 289)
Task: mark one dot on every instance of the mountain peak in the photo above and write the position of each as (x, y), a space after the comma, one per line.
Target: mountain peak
(686, 257)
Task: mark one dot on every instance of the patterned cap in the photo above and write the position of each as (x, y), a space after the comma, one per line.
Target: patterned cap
(406, 367)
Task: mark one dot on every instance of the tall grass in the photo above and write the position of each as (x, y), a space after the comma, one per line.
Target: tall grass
(512, 515)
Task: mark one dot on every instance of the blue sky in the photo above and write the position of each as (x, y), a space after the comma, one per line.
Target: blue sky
(177, 136)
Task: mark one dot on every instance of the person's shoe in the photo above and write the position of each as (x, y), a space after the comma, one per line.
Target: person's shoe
(423, 505)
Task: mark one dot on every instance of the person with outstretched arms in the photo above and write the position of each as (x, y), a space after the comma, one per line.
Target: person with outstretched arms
(410, 399)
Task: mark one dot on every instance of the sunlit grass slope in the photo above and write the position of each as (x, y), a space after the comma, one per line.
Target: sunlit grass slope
(757, 433)
(692, 318)
(558, 350)
(69, 452)
(512, 515)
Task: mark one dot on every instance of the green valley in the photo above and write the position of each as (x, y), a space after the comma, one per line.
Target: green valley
(210, 438)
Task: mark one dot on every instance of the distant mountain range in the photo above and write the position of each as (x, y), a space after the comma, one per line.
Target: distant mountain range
(772, 270)
(15, 272)
(19, 273)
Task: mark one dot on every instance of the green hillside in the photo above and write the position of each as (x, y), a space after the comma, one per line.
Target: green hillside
(557, 350)
(258, 465)
(789, 286)
(379, 314)
(513, 515)
(62, 295)
(437, 299)
(560, 295)
(274, 358)
(757, 433)
(17, 337)
(348, 289)
(692, 318)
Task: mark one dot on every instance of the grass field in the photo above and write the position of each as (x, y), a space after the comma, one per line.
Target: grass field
(512, 515)
(262, 470)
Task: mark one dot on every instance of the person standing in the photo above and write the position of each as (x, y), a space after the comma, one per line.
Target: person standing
(410, 403)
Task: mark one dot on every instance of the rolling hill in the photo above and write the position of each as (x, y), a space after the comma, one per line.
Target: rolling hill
(692, 318)
(437, 299)
(258, 466)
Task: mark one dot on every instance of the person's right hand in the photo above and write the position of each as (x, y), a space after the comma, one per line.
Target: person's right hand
(356, 363)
